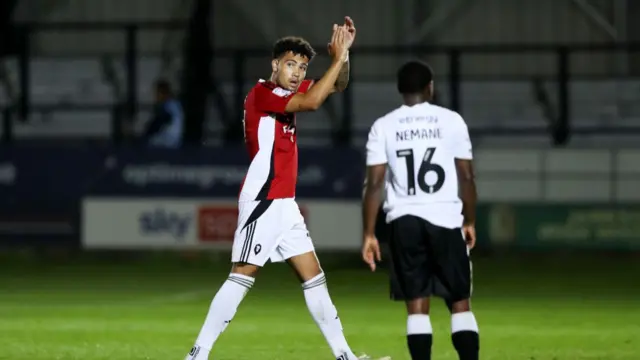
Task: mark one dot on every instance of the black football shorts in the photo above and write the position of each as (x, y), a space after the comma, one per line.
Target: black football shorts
(426, 260)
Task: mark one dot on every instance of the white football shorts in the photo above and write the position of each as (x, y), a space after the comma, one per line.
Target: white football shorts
(269, 230)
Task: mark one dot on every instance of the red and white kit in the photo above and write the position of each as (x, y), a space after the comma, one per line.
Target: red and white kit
(270, 225)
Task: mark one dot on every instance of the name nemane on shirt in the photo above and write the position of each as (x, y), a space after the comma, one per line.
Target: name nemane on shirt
(418, 134)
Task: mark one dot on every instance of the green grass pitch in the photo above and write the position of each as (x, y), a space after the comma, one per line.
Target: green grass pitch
(542, 308)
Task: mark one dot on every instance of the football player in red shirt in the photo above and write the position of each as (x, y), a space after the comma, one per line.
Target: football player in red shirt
(270, 225)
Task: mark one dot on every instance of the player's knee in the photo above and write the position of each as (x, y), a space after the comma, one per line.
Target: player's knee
(418, 306)
(306, 266)
(449, 305)
(460, 306)
(245, 269)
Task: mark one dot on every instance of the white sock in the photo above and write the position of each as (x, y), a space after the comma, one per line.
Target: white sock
(419, 324)
(223, 307)
(325, 315)
(464, 321)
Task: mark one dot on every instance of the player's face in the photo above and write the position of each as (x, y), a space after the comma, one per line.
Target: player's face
(290, 70)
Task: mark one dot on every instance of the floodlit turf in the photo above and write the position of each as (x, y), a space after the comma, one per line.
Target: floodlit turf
(556, 310)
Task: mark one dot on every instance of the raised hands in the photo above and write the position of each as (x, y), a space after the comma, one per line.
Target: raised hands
(350, 27)
(342, 39)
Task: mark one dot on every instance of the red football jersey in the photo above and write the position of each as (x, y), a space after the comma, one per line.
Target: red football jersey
(271, 139)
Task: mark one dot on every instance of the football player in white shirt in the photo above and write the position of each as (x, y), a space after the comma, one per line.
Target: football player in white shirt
(421, 155)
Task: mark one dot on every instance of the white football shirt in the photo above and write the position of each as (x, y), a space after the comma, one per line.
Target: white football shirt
(419, 145)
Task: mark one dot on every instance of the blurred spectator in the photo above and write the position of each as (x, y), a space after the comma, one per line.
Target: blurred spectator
(165, 127)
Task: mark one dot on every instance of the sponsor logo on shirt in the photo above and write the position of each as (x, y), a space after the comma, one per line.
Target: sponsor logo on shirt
(281, 92)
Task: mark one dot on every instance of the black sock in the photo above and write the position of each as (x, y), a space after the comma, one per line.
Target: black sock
(467, 344)
(420, 346)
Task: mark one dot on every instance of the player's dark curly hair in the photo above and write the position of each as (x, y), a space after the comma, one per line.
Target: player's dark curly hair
(414, 77)
(294, 44)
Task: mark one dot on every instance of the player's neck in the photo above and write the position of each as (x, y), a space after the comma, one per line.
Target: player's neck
(411, 100)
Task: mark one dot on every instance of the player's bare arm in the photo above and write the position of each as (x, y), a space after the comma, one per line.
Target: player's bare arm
(315, 97)
(343, 78)
(469, 196)
(370, 205)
